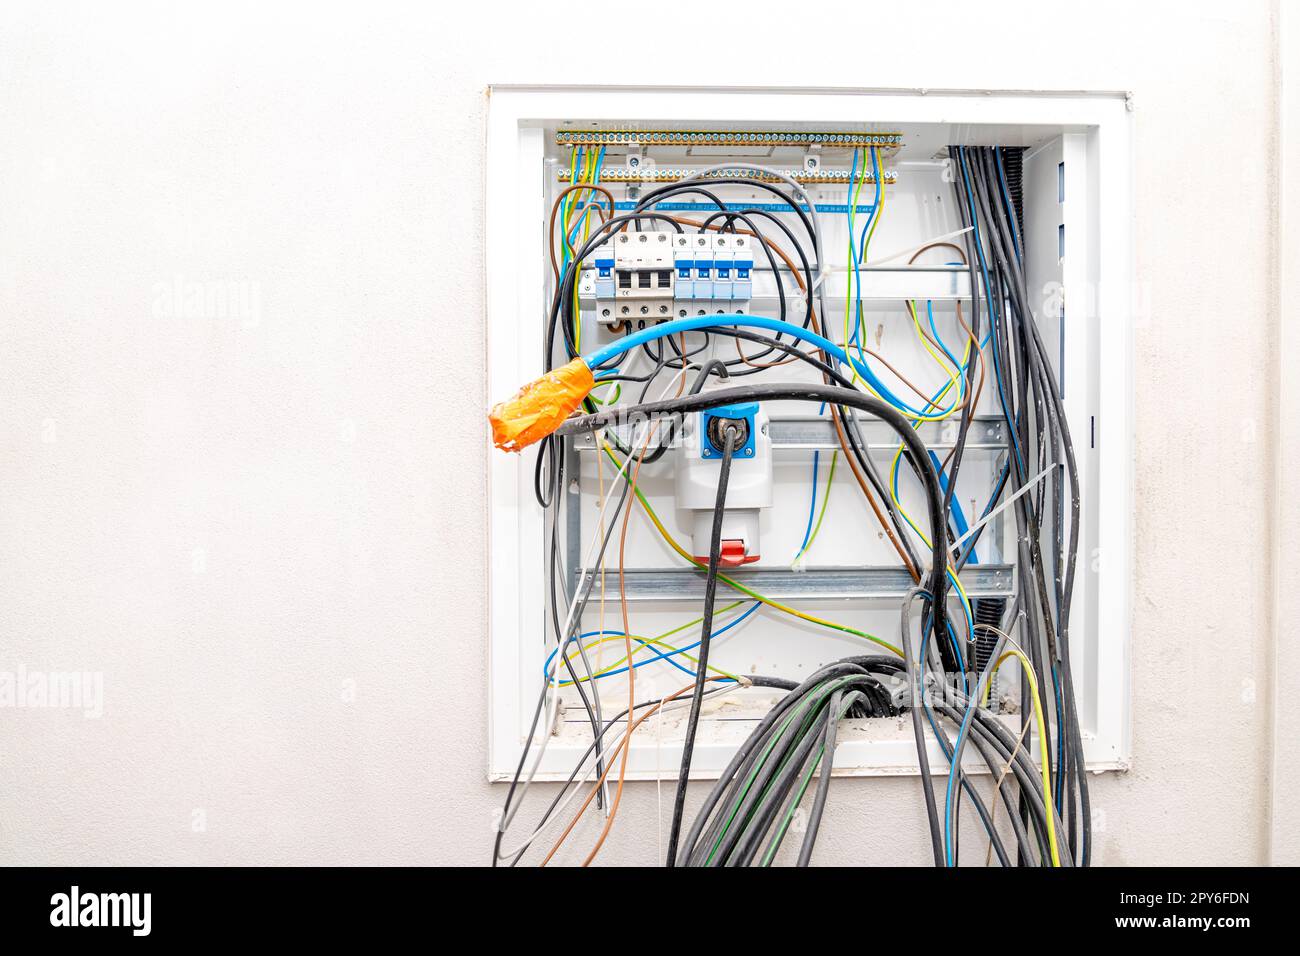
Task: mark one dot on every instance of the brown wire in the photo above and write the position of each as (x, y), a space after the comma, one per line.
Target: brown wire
(555, 207)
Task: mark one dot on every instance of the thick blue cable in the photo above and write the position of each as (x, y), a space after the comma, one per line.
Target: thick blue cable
(698, 322)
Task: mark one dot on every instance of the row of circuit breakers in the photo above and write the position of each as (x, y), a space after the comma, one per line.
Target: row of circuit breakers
(651, 276)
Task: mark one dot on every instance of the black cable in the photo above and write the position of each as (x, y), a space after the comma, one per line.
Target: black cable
(758, 795)
(916, 688)
(823, 786)
(766, 778)
(732, 439)
(794, 754)
(707, 369)
(748, 814)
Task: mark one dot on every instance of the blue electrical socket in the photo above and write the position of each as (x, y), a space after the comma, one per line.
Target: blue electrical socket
(745, 410)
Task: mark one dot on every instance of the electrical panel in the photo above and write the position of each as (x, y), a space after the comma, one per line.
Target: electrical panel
(844, 220)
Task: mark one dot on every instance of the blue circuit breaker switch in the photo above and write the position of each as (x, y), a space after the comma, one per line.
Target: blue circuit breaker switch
(742, 286)
(723, 262)
(703, 267)
(684, 263)
(604, 263)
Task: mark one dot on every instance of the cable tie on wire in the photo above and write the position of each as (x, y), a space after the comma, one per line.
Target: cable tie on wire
(1006, 504)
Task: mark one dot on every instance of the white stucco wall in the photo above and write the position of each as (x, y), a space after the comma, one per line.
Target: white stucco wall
(267, 530)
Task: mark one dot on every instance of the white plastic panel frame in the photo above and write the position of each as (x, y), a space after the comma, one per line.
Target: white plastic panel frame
(1087, 132)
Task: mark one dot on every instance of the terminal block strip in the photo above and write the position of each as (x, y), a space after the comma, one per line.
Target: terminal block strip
(646, 173)
(651, 137)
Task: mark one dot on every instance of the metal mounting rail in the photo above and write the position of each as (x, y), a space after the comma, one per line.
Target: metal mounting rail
(987, 432)
(687, 584)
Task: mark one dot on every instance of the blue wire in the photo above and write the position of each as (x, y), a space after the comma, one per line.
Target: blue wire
(812, 505)
(1059, 789)
(659, 655)
(875, 169)
(958, 516)
(644, 642)
(953, 774)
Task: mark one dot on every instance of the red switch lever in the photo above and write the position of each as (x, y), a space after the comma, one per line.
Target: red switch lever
(732, 554)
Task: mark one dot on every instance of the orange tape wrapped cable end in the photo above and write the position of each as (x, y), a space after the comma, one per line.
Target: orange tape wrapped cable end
(539, 407)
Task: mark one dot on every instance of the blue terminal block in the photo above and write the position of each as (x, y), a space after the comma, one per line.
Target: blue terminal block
(743, 410)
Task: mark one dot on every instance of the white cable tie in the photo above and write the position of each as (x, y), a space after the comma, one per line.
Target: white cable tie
(1006, 504)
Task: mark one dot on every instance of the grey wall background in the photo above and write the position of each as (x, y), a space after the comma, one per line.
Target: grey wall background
(263, 522)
